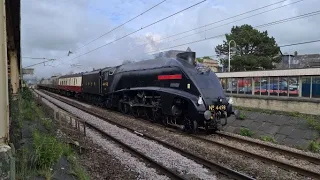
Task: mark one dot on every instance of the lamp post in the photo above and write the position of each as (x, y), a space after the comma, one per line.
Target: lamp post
(229, 52)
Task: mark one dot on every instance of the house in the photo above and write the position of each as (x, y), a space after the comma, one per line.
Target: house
(211, 63)
(296, 61)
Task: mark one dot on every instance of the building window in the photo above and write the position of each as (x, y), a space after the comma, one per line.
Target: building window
(306, 86)
(244, 85)
(316, 86)
(294, 86)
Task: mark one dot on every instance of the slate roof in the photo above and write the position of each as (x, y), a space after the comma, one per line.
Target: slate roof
(299, 61)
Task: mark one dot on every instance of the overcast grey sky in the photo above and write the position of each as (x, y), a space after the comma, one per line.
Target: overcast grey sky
(50, 28)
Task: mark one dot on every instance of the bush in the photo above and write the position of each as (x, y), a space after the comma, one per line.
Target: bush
(47, 150)
(242, 116)
(246, 132)
(314, 147)
(268, 139)
(313, 123)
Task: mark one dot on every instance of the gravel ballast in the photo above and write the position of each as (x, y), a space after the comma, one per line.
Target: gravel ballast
(211, 152)
(263, 152)
(163, 155)
(108, 160)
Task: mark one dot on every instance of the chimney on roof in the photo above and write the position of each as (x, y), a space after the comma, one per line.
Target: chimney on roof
(295, 53)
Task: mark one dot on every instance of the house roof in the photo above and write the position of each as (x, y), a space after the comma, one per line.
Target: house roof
(299, 61)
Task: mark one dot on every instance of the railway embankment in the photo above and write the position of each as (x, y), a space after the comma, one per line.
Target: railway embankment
(39, 150)
(293, 129)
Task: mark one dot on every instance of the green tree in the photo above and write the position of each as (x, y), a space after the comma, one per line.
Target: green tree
(254, 50)
(200, 60)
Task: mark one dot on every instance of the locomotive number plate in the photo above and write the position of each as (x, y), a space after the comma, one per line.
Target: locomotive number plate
(219, 107)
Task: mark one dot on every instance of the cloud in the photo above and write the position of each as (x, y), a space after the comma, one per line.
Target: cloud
(52, 28)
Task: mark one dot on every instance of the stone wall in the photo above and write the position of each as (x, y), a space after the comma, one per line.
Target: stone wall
(288, 130)
(285, 104)
(5, 162)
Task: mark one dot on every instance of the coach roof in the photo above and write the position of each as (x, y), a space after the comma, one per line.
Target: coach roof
(71, 75)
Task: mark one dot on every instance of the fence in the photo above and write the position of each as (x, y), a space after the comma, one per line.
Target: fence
(67, 123)
(290, 83)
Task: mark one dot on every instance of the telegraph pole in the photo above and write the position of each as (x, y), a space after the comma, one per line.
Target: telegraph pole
(230, 52)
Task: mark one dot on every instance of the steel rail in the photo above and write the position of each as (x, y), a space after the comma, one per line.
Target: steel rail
(168, 172)
(211, 165)
(315, 160)
(278, 163)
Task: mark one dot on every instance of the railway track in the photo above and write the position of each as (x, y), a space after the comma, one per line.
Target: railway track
(313, 159)
(288, 166)
(168, 172)
(278, 163)
(209, 164)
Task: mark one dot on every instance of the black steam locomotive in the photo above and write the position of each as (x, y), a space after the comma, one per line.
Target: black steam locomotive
(172, 90)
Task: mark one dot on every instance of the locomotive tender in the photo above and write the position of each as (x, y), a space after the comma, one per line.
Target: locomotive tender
(171, 90)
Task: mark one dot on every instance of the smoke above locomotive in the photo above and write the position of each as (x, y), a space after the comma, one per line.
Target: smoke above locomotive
(172, 88)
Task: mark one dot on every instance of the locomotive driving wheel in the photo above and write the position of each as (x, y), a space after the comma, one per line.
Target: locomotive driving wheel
(155, 115)
(191, 126)
(126, 108)
(155, 110)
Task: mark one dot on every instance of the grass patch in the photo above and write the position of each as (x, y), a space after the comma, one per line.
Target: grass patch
(76, 169)
(268, 139)
(42, 149)
(242, 116)
(312, 120)
(314, 147)
(246, 132)
(313, 123)
(47, 150)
